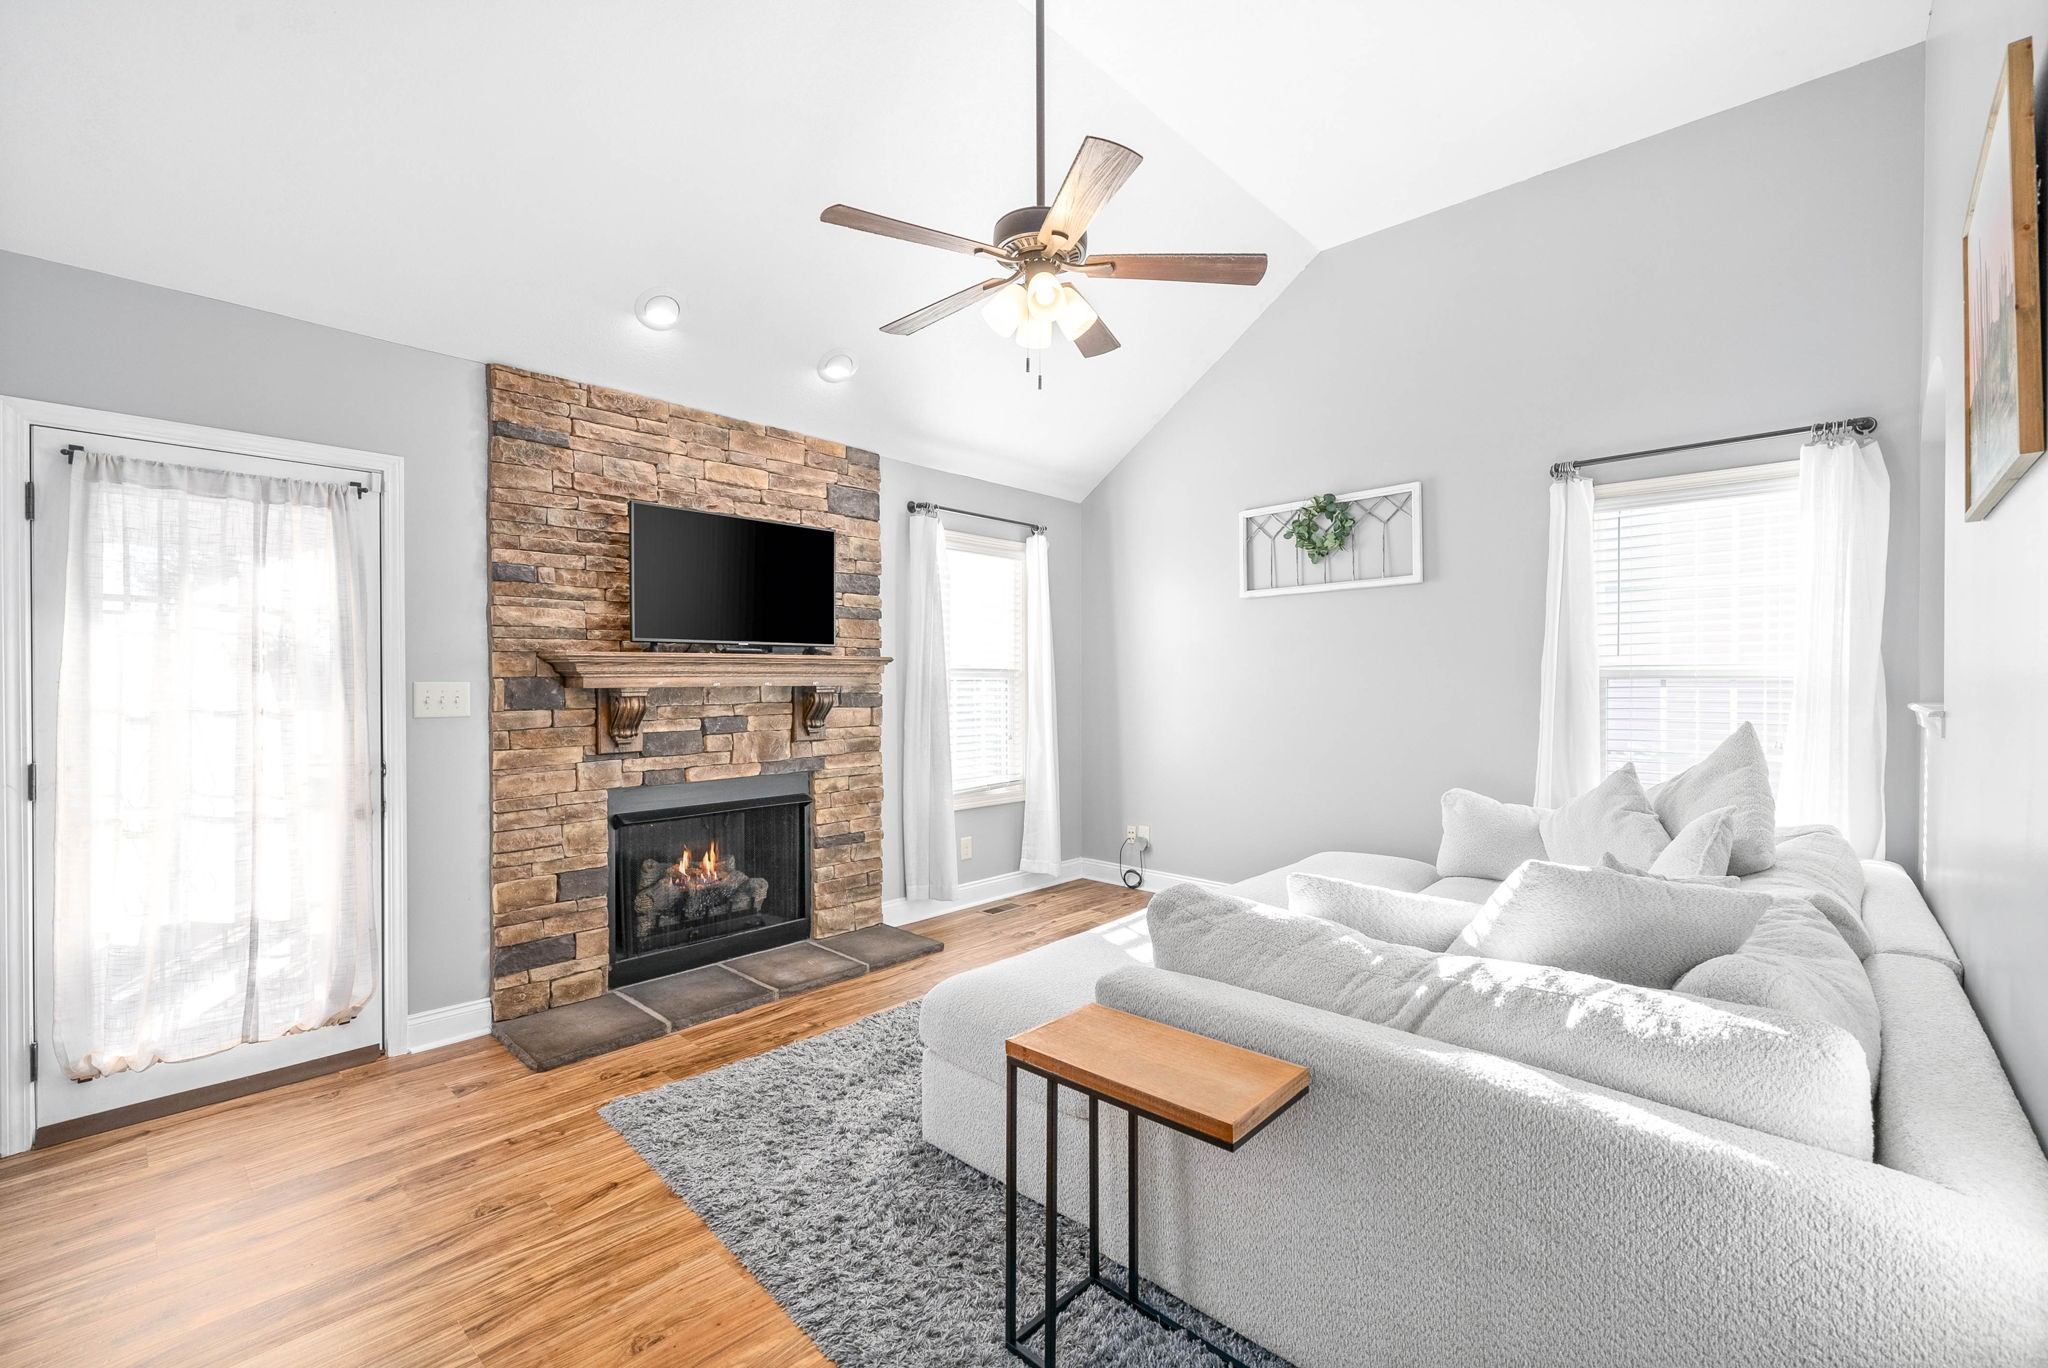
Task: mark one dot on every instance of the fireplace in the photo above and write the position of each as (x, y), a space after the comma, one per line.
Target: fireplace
(707, 870)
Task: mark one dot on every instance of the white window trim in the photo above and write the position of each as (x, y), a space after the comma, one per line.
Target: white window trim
(1665, 485)
(17, 842)
(988, 795)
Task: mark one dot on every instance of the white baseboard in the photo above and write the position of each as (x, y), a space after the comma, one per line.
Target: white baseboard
(1109, 872)
(899, 911)
(446, 1025)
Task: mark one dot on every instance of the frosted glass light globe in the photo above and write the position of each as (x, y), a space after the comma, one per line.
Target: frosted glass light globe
(1075, 317)
(1005, 309)
(1042, 295)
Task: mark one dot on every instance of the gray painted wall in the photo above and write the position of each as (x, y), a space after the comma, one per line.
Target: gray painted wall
(76, 337)
(1987, 830)
(1756, 269)
(998, 832)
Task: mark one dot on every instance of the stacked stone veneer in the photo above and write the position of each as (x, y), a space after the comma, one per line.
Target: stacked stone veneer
(565, 461)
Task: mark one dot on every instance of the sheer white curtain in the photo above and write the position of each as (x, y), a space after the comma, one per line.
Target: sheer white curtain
(1834, 754)
(1568, 724)
(930, 869)
(216, 827)
(1041, 717)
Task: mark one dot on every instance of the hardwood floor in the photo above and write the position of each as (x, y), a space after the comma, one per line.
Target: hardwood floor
(446, 1208)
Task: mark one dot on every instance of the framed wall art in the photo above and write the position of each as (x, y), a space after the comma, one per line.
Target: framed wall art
(2003, 428)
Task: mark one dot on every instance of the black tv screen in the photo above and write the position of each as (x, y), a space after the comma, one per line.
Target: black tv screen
(716, 578)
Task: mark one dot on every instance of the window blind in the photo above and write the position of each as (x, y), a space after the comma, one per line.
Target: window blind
(1696, 596)
(985, 658)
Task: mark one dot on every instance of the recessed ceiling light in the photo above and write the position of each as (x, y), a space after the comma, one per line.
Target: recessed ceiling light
(658, 311)
(837, 367)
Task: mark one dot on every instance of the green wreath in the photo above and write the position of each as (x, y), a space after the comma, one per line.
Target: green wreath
(1306, 530)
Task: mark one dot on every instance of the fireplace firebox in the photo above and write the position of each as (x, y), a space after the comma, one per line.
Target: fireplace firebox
(708, 870)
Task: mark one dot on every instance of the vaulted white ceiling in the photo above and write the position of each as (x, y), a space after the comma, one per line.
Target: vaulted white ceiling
(500, 179)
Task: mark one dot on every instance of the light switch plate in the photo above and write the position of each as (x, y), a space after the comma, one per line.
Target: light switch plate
(445, 699)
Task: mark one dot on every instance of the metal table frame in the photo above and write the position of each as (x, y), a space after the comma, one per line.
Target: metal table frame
(1056, 1300)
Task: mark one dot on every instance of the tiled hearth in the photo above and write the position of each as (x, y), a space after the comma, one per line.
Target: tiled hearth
(642, 1011)
(565, 461)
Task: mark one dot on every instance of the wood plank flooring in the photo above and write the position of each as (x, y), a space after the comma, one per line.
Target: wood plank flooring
(440, 1209)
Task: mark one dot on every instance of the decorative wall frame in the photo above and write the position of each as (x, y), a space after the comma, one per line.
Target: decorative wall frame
(1385, 548)
(2005, 428)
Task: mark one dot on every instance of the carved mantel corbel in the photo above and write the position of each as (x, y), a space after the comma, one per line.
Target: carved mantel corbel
(619, 715)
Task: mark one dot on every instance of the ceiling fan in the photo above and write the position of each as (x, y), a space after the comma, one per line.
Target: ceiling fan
(1040, 243)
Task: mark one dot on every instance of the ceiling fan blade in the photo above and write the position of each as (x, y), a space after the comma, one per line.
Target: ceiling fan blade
(1246, 268)
(944, 308)
(1097, 340)
(1100, 168)
(846, 216)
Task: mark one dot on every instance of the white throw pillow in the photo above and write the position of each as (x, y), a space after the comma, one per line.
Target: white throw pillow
(1699, 849)
(1386, 914)
(1485, 838)
(1614, 817)
(1624, 927)
(1716, 880)
(1736, 775)
(1788, 1075)
(1797, 962)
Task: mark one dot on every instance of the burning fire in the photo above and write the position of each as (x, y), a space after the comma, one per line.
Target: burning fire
(696, 869)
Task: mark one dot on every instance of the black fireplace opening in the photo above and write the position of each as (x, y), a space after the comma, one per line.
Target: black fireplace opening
(705, 871)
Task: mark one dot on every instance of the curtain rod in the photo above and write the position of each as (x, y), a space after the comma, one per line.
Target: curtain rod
(1863, 426)
(919, 506)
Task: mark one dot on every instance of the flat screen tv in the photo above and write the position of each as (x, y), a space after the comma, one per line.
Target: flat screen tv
(712, 578)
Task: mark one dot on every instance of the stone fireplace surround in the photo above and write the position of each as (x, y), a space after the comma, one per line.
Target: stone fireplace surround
(565, 460)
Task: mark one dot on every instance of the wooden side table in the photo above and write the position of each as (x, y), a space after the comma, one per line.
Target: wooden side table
(1220, 1094)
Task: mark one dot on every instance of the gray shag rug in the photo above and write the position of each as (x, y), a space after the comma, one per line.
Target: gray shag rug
(810, 1164)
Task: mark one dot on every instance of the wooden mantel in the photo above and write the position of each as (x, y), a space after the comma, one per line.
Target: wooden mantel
(709, 669)
(622, 679)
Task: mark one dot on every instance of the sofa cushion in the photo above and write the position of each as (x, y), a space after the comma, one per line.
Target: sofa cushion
(1713, 880)
(1796, 962)
(1485, 838)
(1816, 863)
(1465, 889)
(1383, 913)
(1614, 816)
(1899, 920)
(1791, 1076)
(1734, 775)
(1382, 871)
(1699, 849)
(965, 1019)
(1632, 929)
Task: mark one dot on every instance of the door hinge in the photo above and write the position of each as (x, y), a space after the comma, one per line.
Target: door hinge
(28, 501)
(31, 781)
(31, 1061)
(383, 787)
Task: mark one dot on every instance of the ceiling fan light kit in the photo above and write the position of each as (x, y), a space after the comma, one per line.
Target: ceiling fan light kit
(1041, 242)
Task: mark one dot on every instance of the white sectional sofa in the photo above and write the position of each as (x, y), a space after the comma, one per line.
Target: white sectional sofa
(1427, 1204)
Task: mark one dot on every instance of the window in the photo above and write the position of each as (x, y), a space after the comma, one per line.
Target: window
(1695, 587)
(985, 656)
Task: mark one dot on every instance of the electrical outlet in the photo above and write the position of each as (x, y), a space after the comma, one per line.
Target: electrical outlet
(1130, 833)
(966, 847)
(440, 700)
(1144, 833)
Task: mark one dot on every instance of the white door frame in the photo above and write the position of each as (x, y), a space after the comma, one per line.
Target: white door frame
(17, 967)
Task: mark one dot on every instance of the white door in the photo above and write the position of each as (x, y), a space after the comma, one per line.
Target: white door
(208, 913)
